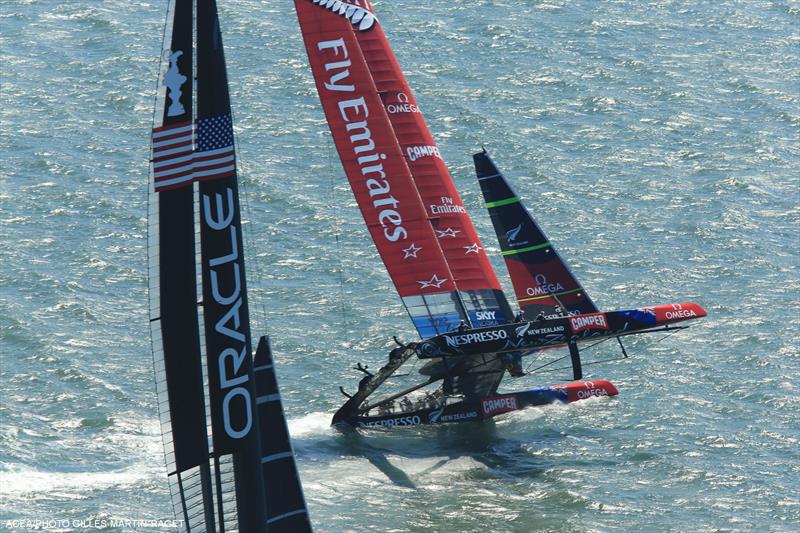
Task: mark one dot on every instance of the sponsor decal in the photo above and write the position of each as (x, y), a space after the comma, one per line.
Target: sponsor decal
(428, 349)
(454, 341)
(498, 404)
(473, 249)
(231, 364)
(392, 422)
(433, 282)
(402, 105)
(449, 232)
(524, 330)
(433, 416)
(459, 416)
(418, 152)
(447, 206)
(354, 112)
(521, 330)
(582, 390)
(544, 287)
(679, 313)
(486, 315)
(588, 393)
(511, 237)
(526, 337)
(583, 322)
(173, 81)
(352, 11)
(411, 251)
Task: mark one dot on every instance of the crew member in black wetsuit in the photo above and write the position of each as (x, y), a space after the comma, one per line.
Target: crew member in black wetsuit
(405, 404)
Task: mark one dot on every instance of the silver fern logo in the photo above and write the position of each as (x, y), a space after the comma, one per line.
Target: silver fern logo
(511, 237)
(360, 17)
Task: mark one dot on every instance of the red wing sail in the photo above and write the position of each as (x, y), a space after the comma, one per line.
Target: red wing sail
(542, 281)
(375, 166)
(468, 263)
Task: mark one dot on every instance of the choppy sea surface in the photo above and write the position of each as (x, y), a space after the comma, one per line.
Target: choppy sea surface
(657, 142)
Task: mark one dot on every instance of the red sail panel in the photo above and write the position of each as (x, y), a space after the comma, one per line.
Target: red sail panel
(457, 236)
(371, 156)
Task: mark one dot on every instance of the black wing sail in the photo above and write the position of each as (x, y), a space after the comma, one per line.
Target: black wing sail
(201, 335)
(286, 506)
(173, 288)
(231, 382)
(542, 280)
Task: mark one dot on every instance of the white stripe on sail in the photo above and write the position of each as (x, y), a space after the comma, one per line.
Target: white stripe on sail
(286, 515)
(166, 183)
(172, 131)
(268, 398)
(218, 151)
(215, 171)
(185, 159)
(170, 142)
(173, 171)
(276, 456)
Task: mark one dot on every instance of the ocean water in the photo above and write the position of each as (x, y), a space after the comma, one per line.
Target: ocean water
(657, 142)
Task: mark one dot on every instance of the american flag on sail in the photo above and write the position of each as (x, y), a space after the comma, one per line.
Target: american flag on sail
(214, 156)
(172, 155)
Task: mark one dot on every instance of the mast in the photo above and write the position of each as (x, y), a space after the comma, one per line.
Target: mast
(542, 280)
(173, 289)
(472, 272)
(376, 166)
(225, 311)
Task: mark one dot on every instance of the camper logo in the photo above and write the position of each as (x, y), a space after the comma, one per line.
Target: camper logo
(498, 404)
(583, 322)
(359, 16)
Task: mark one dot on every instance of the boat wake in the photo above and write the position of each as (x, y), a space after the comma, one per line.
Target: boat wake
(22, 483)
(311, 424)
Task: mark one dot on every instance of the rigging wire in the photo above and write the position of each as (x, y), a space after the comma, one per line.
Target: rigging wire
(336, 226)
(248, 232)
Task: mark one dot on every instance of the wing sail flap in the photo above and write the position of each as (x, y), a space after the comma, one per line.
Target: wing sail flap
(286, 506)
(543, 283)
(472, 272)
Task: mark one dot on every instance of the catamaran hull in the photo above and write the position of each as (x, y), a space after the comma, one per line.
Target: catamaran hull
(488, 407)
(556, 332)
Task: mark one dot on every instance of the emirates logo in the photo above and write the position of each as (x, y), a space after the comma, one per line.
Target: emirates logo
(360, 17)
